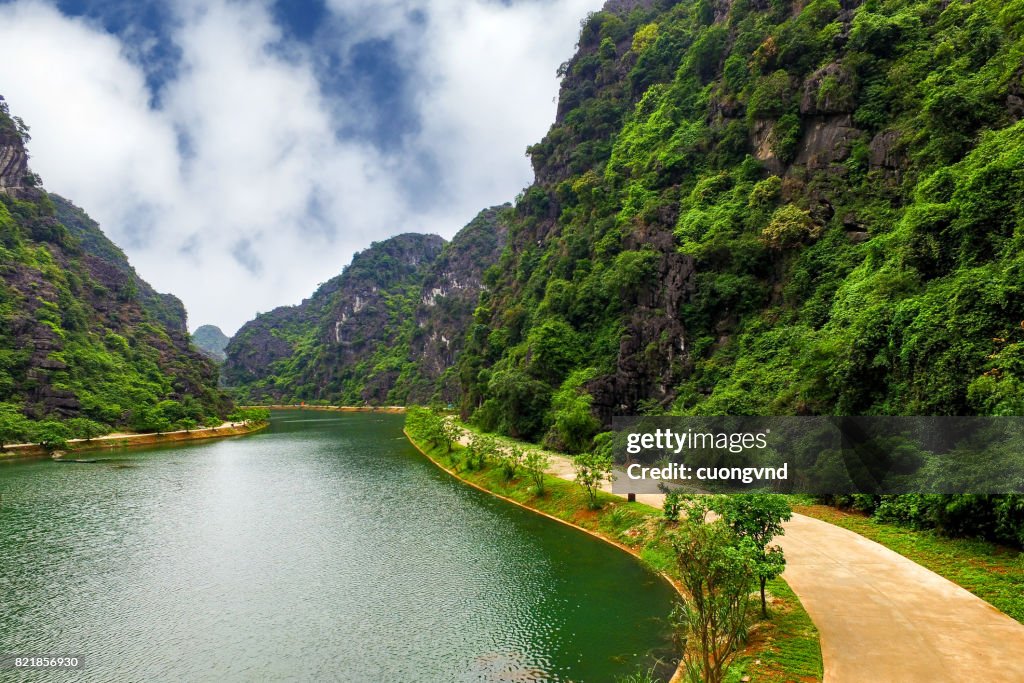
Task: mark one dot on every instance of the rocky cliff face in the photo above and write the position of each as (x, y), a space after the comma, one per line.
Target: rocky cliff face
(82, 334)
(450, 291)
(14, 173)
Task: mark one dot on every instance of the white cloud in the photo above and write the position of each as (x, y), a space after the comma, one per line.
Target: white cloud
(234, 193)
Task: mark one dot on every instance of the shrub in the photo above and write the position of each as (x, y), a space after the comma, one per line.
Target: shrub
(788, 227)
(536, 463)
(592, 470)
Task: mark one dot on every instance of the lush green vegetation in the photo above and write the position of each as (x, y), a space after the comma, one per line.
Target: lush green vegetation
(741, 209)
(999, 519)
(348, 343)
(876, 274)
(85, 344)
(749, 211)
(993, 573)
(384, 331)
(783, 647)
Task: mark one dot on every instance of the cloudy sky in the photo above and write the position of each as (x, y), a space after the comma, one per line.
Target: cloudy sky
(241, 151)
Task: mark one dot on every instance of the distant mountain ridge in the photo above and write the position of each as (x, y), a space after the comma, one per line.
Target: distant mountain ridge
(211, 342)
(386, 330)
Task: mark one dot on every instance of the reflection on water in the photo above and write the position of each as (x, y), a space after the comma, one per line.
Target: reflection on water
(325, 548)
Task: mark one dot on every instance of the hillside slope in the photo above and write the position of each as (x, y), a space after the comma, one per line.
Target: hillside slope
(343, 342)
(766, 208)
(386, 330)
(741, 208)
(81, 334)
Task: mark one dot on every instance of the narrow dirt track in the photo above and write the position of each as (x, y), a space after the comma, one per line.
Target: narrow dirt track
(884, 618)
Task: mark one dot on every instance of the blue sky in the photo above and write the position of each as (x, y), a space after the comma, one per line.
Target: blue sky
(241, 151)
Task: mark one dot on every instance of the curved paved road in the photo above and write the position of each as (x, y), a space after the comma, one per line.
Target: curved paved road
(884, 618)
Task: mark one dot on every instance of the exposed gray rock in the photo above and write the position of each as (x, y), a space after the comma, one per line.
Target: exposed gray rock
(885, 151)
(827, 141)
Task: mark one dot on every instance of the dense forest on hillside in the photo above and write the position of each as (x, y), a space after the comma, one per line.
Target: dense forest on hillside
(85, 344)
(766, 208)
(747, 207)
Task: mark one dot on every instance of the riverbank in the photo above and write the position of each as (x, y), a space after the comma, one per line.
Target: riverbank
(122, 440)
(336, 409)
(782, 648)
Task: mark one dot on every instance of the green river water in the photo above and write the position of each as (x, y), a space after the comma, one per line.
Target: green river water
(325, 548)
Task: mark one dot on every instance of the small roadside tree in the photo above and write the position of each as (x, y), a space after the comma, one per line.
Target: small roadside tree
(449, 432)
(758, 517)
(536, 462)
(511, 458)
(50, 434)
(716, 567)
(673, 504)
(592, 470)
(14, 426)
(84, 428)
(481, 450)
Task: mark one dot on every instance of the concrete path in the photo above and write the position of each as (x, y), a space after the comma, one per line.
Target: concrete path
(884, 618)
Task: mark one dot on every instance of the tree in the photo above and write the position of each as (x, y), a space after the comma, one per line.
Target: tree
(573, 424)
(150, 419)
(434, 428)
(758, 517)
(553, 346)
(789, 226)
(14, 427)
(536, 462)
(515, 405)
(511, 458)
(716, 567)
(449, 433)
(673, 504)
(50, 434)
(188, 424)
(480, 450)
(84, 428)
(592, 470)
(171, 411)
